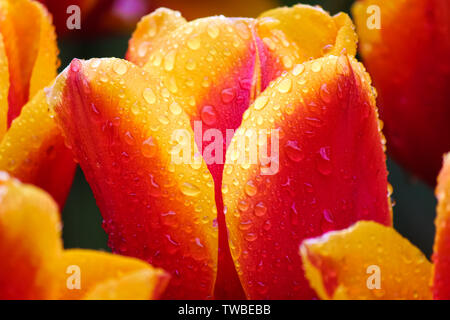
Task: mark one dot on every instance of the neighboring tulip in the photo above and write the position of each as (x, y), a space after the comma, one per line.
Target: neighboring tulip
(408, 60)
(35, 266)
(31, 147)
(119, 120)
(339, 264)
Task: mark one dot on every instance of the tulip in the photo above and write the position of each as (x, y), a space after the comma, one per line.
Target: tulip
(35, 266)
(337, 264)
(226, 228)
(31, 146)
(405, 46)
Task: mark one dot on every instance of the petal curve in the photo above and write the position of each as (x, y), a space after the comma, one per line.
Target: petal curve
(120, 122)
(329, 172)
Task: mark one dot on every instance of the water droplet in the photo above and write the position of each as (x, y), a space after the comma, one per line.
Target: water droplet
(325, 93)
(193, 43)
(316, 66)
(129, 139)
(250, 188)
(285, 85)
(260, 209)
(287, 62)
(149, 96)
(169, 60)
(190, 64)
(293, 151)
(120, 67)
(213, 31)
(148, 148)
(75, 65)
(208, 115)
(251, 237)
(298, 69)
(328, 215)
(190, 190)
(261, 102)
(227, 95)
(175, 108)
(243, 30)
(95, 63)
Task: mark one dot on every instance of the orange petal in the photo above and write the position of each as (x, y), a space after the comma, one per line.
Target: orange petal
(151, 30)
(211, 67)
(366, 261)
(411, 71)
(33, 150)
(120, 121)
(4, 88)
(108, 276)
(441, 250)
(328, 172)
(314, 31)
(29, 241)
(30, 44)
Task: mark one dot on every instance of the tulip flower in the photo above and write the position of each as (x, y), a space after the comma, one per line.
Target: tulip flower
(338, 263)
(221, 227)
(31, 146)
(405, 46)
(35, 266)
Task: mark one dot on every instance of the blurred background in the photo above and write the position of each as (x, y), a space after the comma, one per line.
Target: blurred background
(106, 27)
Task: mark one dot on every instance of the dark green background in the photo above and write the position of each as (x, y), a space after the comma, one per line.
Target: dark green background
(414, 209)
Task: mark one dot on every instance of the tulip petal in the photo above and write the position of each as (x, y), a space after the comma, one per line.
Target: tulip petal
(33, 150)
(30, 44)
(120, 122)
(108, 276)
(151, 30)
(366, 261)
(411, 72)
(210, 66)
(4, 88)
(441, 252)
(315, 32)
(29, 241)
(328, 172)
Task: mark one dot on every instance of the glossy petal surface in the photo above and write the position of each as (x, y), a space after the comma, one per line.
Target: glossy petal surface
(30, 45)
(33, 150)
(120, 122)
(441, 250)
(344, 264)
(314, 31)
(330, 172)
(29, 241)
(411, 71)
(107, 276)
(151, 30)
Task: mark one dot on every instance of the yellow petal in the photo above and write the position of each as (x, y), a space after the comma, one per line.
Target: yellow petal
(151, 30)
(347, 264)
(33, 150)
(141, 285)
(108, 276)
(30, 45)
(30, 243)
(4, 87)
(314, 31)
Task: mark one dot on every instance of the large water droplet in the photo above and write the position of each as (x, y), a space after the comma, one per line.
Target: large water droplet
(208, 115)
(190, 190)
